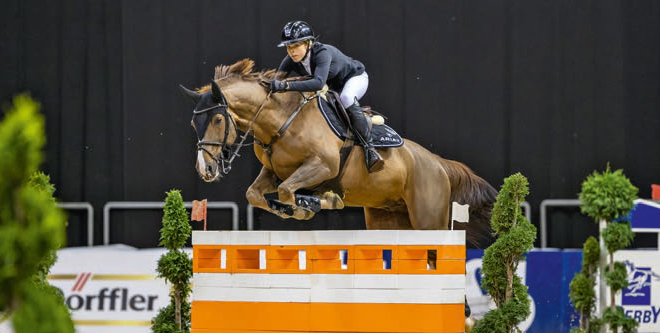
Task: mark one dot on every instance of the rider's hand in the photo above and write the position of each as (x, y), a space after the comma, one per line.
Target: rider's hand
(277, 85)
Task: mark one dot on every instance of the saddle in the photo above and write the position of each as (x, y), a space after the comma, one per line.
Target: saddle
(335, 115)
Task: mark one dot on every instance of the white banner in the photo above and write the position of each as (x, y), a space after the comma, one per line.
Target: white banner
(641, 300)
(110, 289)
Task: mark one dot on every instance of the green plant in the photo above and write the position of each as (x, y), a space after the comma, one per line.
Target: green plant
(515, 237)
(32, 227)
(605, 197)
(582, 286)
(175, 266)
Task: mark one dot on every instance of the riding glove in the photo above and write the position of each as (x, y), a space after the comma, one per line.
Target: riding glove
(277, 85)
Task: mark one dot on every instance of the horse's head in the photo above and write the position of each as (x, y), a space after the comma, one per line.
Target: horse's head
(216, 132)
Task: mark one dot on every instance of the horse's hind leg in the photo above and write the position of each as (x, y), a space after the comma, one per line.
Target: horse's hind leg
(427, 198)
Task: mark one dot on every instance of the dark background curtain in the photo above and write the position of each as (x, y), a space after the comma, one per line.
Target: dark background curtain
(552, 89)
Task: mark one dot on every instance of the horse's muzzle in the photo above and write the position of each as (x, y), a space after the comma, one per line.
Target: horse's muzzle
(209, 173)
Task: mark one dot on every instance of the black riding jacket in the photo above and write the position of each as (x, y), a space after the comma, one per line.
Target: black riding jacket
(328, 65)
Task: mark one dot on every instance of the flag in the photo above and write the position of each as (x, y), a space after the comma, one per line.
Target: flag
(198, 210)
(460, 213)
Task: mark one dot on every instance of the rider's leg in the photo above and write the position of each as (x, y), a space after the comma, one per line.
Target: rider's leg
(353, 90)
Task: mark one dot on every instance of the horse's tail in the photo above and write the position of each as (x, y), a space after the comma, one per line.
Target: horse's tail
(468, 188)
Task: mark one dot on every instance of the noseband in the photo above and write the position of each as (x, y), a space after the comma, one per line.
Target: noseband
(227, 153)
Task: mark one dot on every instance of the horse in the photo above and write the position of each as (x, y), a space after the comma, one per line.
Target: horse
(299, 152)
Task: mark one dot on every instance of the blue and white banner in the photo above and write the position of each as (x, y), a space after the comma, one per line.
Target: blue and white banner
(547, 273)
(641, 300)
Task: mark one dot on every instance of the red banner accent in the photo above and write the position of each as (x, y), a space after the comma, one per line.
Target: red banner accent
(199, 211)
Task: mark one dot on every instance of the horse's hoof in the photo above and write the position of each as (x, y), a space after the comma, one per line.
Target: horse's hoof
(469, 324)
(300, 213)
(331, 200)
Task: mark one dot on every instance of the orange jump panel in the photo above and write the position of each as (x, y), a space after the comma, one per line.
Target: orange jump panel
(325, 317)
(360, 317)
(325, 259)
(250, 316)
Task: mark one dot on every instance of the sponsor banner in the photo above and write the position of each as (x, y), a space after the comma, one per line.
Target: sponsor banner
(645, 216)
(641, 299)
(547, 273)
(110, 289)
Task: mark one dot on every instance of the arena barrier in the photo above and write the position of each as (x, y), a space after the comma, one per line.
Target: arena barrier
(328, 281)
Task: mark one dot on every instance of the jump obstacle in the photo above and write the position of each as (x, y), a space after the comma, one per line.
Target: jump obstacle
(328, 281)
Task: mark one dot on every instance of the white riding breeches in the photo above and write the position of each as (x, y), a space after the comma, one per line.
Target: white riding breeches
(354, 88)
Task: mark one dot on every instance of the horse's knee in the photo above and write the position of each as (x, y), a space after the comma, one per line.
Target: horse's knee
(253, 196)
(285, 193)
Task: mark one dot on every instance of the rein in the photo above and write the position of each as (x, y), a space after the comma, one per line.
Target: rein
(268, 147)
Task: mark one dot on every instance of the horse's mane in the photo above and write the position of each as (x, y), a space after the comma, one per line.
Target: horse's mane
(242, 69)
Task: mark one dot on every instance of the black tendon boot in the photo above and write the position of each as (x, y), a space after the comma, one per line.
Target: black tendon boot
(361, 128)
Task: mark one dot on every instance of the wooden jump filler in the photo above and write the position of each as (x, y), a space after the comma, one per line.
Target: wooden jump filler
(328, 281)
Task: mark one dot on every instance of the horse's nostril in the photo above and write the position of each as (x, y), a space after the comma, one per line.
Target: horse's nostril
(209, 169)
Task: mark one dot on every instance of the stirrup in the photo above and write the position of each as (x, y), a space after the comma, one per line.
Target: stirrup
(374, 164)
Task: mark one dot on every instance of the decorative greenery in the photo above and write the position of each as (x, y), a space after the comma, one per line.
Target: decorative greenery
(605, 197)
(608, 195)
(515, 237)
(175, 266)
(582, 286)
(32, 227)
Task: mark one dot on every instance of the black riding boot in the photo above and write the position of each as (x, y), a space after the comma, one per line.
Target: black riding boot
(361, 128)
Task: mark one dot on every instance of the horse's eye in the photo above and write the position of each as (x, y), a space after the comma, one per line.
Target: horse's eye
(217, 120)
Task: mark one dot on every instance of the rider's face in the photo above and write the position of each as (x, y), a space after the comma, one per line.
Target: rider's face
(297, 50)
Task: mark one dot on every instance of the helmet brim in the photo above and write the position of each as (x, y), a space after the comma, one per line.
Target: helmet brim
(292, 41)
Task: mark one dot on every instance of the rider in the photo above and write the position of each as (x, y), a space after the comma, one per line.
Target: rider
(326, 64)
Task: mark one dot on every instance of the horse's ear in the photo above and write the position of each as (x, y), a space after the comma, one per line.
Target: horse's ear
(215, 89)
(194, 96)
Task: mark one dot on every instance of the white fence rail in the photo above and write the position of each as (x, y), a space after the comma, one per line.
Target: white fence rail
(90, 216)
(131, 205)
(159, 205)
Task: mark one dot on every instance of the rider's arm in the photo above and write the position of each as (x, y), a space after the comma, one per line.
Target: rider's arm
(286, 66)
(322, 60)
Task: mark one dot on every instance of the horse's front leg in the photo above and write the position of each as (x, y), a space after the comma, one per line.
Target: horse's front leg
(264, 183)
(312, 172)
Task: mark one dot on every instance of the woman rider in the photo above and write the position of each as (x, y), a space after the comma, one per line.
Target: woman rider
(326, 64)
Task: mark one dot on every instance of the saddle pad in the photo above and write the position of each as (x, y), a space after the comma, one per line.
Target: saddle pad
(382, 136)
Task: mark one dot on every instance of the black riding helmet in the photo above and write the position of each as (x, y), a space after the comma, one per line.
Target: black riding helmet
(296, 31)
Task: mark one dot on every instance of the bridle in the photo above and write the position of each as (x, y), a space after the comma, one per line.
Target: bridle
(227, 153)
(232, 151)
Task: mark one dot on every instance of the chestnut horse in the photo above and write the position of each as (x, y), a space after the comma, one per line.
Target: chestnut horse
(300, 152)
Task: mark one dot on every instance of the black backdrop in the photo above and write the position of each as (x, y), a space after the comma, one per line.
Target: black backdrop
(553, 89)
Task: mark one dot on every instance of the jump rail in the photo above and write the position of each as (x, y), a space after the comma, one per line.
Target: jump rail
(159, 205)
(90, 216)
(328, 281)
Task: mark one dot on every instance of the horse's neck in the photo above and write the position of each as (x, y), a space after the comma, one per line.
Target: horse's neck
(265, 117)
